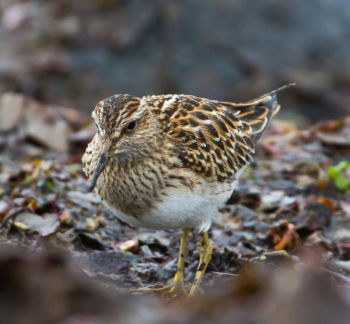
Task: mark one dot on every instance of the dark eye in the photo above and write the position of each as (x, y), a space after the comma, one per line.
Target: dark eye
(131, 125)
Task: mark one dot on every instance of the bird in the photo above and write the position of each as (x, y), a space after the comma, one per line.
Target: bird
(171, 161)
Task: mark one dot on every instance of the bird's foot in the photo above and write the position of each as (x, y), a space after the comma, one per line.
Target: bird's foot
(205, 254)
(176, 288)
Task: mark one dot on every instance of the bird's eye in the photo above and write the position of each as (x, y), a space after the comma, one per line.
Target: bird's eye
(131, 125)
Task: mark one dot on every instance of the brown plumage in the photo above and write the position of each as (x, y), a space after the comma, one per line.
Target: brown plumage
(215, 138)
(171, 161)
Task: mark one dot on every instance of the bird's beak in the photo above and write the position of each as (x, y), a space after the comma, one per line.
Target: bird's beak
(101, 163)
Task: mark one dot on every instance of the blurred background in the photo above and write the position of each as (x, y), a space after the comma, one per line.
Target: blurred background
(281, 245)
(75, 53)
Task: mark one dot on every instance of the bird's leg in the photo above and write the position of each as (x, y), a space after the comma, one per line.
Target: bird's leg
(177, 286)
(178, 283)
(205, 254)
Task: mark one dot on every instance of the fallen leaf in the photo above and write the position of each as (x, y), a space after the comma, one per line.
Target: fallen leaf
(344, 265)
(65, 218)
(327, 202)
(316, 216)
(345, 206)
(84, 200)
(318, 241)
(342, 234)
(46, 126)
(304, 180)
(289, 238)
(273, 199)
(21, 226)
(80, 139)
(16, 15)
(92, 241)
(3, 207)
(44, 225)
(333, 132)
(11, 111)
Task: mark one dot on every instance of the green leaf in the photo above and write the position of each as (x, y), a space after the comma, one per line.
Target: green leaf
(342, 183)
(29, 179)
(333, 172)
(336, 174)
(343, 165)
(50, 185)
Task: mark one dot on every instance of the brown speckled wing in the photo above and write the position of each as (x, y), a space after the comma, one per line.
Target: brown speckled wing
(215, 138)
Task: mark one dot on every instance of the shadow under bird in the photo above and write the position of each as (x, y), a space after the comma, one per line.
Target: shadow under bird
(171, 161)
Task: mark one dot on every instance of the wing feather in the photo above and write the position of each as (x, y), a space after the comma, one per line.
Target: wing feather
(215, 138)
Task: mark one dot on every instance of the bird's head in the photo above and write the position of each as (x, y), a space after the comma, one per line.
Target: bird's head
(127, 131)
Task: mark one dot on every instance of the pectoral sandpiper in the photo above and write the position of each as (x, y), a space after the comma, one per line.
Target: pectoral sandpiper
(171, 161)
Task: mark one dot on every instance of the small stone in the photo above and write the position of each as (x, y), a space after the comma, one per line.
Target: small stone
(91, 223)
(128, 246)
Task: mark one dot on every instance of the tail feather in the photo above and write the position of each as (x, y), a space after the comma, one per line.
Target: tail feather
(258, 112)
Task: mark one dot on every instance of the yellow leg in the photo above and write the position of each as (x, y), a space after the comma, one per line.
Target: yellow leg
(177, 286)
(205, 254)
(179, 275)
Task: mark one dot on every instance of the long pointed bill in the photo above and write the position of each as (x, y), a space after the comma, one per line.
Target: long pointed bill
(100, 165)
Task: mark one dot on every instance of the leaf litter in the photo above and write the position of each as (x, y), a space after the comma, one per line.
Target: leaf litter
(289, 203)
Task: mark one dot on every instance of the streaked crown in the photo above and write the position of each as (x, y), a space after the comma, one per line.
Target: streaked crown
(110, 113)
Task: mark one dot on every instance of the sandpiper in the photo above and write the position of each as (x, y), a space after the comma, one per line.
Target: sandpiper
(171, 161)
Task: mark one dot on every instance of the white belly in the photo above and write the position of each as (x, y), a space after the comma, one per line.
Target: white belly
(182, 209)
